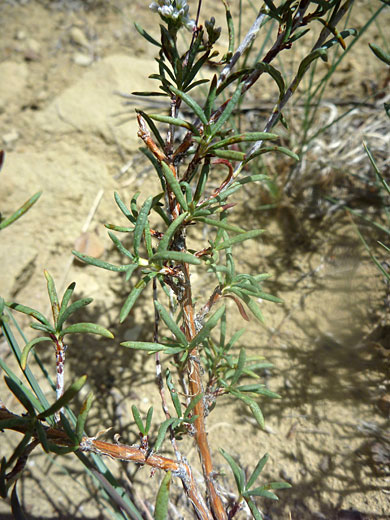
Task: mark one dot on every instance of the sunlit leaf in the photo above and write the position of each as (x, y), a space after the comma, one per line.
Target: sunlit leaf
(90, 328)
(67, 396)
(162, 499)
(176, 256)
(31, 344)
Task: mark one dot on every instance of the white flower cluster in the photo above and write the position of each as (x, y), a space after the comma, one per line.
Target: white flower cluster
(177, 10)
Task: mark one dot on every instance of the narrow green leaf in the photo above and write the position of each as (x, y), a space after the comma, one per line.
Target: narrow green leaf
(32, 398)
(266, 149)
(171, 324)
(21, 211)
(141, 223)
(68, 429)
(148, 240)
(174, 185)
(121, 229)
(118, 244)
(202, 180)
(65, 398)
(52, 291)
(232, 78)
(90, 328)
(380, 53)
(238, 472)
(169, 233)
(18, 391)
(66, 299)
(188, 100)
(162, 499)
(75, 306)
(176, 256)
(278, 485)
(339, 38)
(62, 450)
(44, 328)
(175, 121)
(99, 263)
(162, 431)
(236, 336)
(254, 308)
(144, 345)
(194, 401)
(146, 35)
(240, 366)
(216, 127)
(130, 270)
(256, 472)
(232, 155)
(239, 238)
(173, 393)
(14, 423)
(252, 506)
(148, 423)
(31, 344)
(305, 64)
(207, 327)
(82, 417)
(30, 312)
(133, 204)
(150, 93)
(138, 420)
(258, 389)
(122, 206)
(240, 138)
(209, 105)
(257, 413)
(16, 508)
(260, 492)
(132, 298)
(275, 74)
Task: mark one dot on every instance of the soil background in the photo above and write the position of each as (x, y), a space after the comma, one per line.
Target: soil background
(67, 131)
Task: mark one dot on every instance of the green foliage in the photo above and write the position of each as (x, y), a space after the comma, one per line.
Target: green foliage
(61, 313)
(201, 363)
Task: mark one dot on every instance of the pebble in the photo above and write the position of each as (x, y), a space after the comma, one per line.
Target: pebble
(78, 37)
(83, 60)
(20, 35)
(33, 46)
(10, 137)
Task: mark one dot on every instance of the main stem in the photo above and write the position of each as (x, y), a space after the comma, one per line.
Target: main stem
(196, 388)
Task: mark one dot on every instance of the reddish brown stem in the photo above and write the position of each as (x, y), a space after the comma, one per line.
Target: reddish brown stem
(195, 385)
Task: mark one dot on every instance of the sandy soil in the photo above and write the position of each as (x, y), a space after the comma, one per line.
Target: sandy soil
(67, 132)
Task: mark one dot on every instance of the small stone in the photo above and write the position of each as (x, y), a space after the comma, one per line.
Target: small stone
(10, 137)
(78, 37)
(20, 35)
(83, 60)
(31, 50)
(33, 46)
(325, 463)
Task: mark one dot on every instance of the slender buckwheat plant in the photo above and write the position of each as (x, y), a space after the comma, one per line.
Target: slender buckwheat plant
(196, 361)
